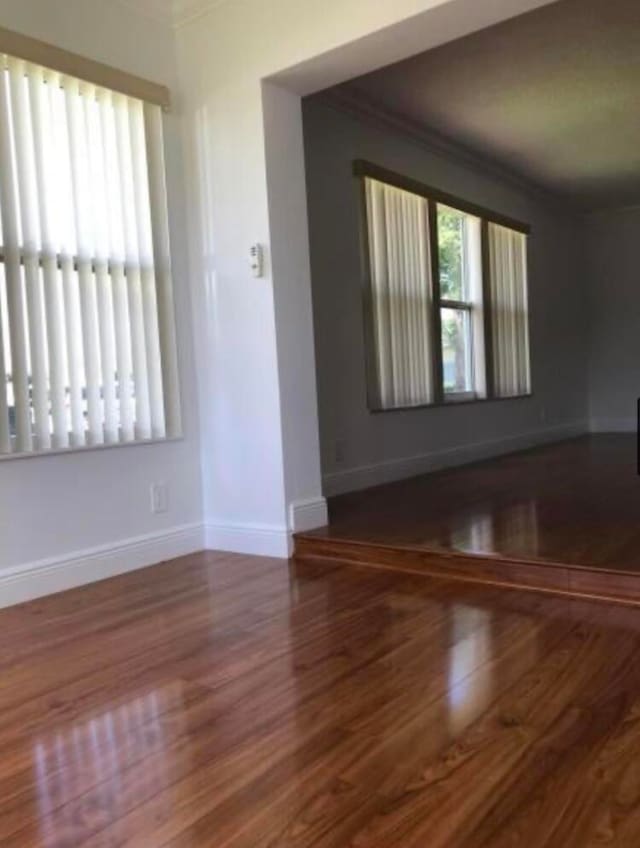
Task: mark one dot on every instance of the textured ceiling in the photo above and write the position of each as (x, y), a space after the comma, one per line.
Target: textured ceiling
(553, 95)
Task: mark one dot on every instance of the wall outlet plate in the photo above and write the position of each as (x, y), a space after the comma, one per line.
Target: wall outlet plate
(159, 493)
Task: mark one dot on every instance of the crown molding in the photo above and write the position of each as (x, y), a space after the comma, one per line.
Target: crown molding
(184, 12)
(159, 12)
(350, 99)
(171, 13)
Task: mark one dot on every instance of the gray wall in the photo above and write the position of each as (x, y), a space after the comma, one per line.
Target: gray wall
(360, 448)
(612, 241)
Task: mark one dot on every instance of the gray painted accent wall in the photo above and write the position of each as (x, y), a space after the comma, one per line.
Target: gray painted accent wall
(359, 448)
(612, 241)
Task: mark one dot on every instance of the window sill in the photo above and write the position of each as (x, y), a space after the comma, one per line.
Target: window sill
(460, 397)
(458, 400)
(39, 454)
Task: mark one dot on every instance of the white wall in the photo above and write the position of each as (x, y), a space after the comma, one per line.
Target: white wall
(382, 446)
(611, 240)
(83, 515)
(260, 461)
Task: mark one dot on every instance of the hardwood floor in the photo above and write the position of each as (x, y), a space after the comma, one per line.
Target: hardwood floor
(561, 518)
(224, 701)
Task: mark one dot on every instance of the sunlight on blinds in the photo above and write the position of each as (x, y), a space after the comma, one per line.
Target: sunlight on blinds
(87, 346)
(401, 294)
(510, 320)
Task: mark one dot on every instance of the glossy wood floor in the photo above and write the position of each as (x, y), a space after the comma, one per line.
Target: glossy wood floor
(232, 701)
(576, 501)
(574, 505)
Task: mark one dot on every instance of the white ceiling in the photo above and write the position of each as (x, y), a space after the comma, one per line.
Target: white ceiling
(553, 95)
(172, 12)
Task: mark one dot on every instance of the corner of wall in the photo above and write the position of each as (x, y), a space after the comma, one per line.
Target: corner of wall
(308, 514)
(267, 540)
(254, 540)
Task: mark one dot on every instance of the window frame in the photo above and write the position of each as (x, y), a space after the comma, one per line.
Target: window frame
(466, 307)
(150, 95)
(434, 197)
(440, 303)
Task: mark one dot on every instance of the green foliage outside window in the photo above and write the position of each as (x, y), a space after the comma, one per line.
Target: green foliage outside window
(450, 252)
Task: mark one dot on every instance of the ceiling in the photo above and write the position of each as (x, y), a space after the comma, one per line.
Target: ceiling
(553, 95)
(172, 12)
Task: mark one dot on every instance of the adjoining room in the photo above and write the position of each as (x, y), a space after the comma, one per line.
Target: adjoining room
(472, 222)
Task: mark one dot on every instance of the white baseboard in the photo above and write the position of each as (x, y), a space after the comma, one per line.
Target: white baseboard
(308, 514)
(364, 476)
(613, 425)
(47, 576)
(263, 540)
(267, 540)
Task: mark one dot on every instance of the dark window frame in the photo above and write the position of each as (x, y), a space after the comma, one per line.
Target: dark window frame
(434, 197)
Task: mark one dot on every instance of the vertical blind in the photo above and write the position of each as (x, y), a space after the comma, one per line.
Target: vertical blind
(508, 284)
(404, 306)
(401, 294)
(87, 339)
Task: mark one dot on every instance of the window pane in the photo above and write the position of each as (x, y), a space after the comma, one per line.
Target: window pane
(459, 254)
(451, 252)
(456, 351)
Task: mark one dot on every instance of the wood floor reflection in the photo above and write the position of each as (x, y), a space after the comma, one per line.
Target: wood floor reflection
(233, 701)
(576, 502)
(562, 518)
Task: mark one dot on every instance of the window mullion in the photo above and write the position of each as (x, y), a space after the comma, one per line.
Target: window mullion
(438, 381)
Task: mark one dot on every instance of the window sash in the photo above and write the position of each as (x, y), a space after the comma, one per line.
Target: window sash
(447, 303)
(482, 314)
(472, 304)
(469, 364)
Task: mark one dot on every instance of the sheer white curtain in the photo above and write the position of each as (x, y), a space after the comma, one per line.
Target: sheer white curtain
(401, 294)
(86, 327)
(510, 323)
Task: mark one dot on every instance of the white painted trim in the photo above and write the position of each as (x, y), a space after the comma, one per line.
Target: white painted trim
(262, 540)
(364, 476)
(41, 454)
(308, 514)
(613, 425)
(266, 539)
(56, 574)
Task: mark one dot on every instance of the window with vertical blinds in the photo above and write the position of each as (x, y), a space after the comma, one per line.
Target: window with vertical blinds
(87, 339)
(446, 300)
(400, 295)
(508, 279)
